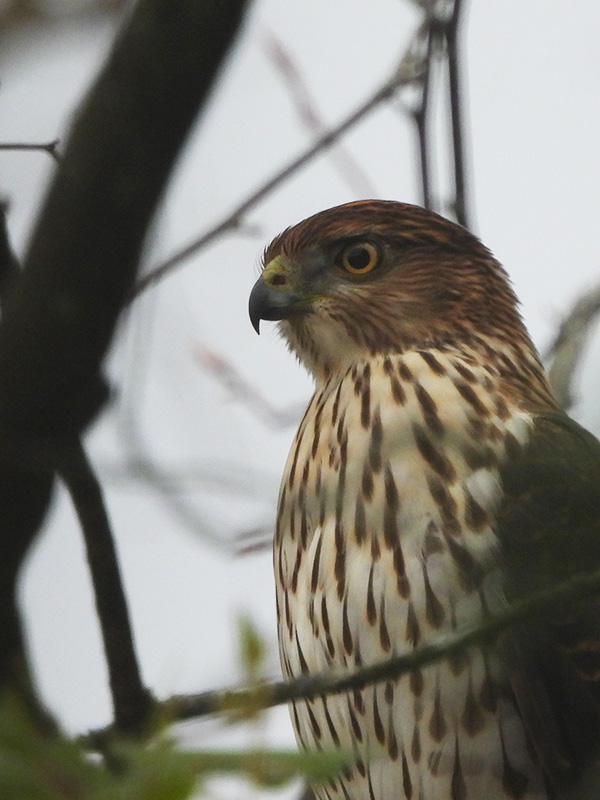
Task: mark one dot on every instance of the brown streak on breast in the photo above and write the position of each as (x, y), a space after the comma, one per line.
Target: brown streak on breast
(360, 525)
(303, 665)
(332, 730)
(294, 582)
(470, 573)
(476, 517)
(429, 410)
(444, 501)
(390, 531)
(367, 481)
(458, 787)
(434, 610)
(406, 781)
(365, 400)
(468, 393)
(384, 636)
(415, 745)
(336, 404)
(437, 723)
(371, 612)
(436, 460)
(314, 580)
(472, 717)
(356, 729)
(413, 632)
(398, 392)
(377, 723)
(375, 457)
(346, 633)
(404, 371)
(432, 362)
(416, 682)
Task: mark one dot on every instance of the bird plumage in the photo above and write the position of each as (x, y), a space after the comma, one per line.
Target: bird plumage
(430, 481)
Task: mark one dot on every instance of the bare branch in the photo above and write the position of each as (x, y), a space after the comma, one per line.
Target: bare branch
(131, 701)
(409, 70)
(567, 349)
(262, 696)
(451, 32)
(243, 391)
(421, 116)
(59, 317)
(347, 165)
(48, 147)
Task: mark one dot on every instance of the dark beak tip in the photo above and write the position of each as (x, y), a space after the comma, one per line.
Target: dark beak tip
(255, 305)
(268, 303)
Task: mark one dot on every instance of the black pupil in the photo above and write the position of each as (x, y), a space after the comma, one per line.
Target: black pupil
(358, 257)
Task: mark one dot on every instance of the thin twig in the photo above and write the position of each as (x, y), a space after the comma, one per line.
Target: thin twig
(451, 32)
(244, 392)
(408, 72)
(348, 167)
(131, 701)
(421, 118)
(139, 460)
(568, 347)
(184, 707)
(48, 147)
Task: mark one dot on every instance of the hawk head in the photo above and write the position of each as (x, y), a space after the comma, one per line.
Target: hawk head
(377, 276)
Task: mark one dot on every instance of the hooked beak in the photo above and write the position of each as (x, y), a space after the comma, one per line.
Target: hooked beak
(271, 298)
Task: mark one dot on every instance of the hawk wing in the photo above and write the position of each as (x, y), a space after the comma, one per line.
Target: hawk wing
(549, 529)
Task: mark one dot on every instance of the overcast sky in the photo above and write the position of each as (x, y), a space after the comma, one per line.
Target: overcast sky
(532, 95)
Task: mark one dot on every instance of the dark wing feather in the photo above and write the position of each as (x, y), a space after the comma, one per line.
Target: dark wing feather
(549, 528)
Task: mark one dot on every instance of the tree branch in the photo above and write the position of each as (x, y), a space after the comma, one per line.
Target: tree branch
(44, 147)
(59, 316)
(347, 166)
(451, 32)
(131, 701)
(262, 696)
(566, 351)
(409, 70)
(421, 118)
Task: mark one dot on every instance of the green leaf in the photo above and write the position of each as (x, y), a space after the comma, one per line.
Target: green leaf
(252, 648)
(271, 767)
(35, 766)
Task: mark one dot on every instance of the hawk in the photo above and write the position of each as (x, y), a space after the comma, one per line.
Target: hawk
(432, 480)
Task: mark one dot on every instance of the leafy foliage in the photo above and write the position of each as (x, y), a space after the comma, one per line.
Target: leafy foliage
(34, 766)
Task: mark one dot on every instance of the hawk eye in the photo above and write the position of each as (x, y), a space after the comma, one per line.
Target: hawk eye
(359, 258)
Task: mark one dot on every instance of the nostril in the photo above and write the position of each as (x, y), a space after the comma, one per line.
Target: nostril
(277, 279)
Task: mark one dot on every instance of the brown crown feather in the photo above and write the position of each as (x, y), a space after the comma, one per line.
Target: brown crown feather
(443, 287)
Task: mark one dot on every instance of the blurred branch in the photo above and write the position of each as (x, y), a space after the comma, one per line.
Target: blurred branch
(244, 392)
(23, 12)
(59, 316)
(141, 464)
(262, 696)
(49, 147)
(9, 268)
(131, 701)
(348, 167)
(443, 25)
(452, 33)
(566, 351)
(24, 496)
(409, 70)
(421, 116)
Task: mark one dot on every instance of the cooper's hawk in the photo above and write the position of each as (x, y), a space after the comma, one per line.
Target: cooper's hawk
(432, 479)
